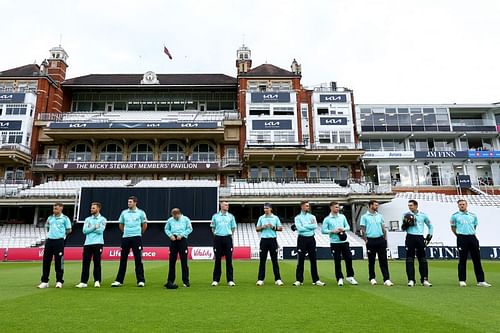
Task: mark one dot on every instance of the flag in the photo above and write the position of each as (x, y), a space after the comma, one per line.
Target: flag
(167, 52)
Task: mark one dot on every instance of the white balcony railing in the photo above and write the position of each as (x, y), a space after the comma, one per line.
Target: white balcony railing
(43, 161)
(15, 147)
(143, 116)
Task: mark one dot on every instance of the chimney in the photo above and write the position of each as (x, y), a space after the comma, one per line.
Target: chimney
(333, 85)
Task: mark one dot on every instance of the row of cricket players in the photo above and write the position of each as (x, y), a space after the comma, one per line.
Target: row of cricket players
(133, 223)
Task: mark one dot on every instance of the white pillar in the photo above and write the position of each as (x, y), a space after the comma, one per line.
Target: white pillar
(35, 216)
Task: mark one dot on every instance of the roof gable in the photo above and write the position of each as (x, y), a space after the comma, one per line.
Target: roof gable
(265, 70)
(22, 71)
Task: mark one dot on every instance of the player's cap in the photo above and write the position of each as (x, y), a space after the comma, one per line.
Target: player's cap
(268, 205)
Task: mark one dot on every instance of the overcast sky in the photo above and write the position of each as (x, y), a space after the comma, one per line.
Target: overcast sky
(390, 51)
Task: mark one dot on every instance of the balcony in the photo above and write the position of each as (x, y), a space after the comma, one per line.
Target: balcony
(473, 125)
(43, 163)
(143, 116)
(14, 152)
(222, 125)
(273, 144)
(332, 146)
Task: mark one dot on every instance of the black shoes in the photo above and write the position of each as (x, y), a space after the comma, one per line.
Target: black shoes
(170, 285)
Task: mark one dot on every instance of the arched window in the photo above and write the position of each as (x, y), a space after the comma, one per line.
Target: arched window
(173, 152)
(141, 152)
(80, 153)
(111, 152)
(203, 152)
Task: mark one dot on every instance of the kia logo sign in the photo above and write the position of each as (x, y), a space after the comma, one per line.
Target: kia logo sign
(191, 125)
(133, 126)
(334, 98)
(12, 98)
(200, 253)
(270, 97)
(328, 121)
(272, 124)
(13, 125)
(322, 252)
(77, 125)
(464, 181)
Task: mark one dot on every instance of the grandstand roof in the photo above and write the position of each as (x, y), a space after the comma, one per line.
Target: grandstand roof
(164, 79)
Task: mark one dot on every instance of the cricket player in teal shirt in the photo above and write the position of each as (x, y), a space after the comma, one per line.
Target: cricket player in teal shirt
(93, 228)
(223, 226)
(375, 235)
(268, 224)
(306, 224)
(58, 226)
(463, 225)
(415, 245)
(178, 228)
(133, 223)
(336, 226)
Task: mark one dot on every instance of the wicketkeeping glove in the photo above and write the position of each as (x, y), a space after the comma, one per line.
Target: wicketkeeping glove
(427, 239)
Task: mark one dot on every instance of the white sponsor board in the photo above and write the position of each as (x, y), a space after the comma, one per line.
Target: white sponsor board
(202, 253)
(388, 154)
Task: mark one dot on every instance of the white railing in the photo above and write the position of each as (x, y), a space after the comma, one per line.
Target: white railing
(15, 146)
(42, 160)
(145, 116)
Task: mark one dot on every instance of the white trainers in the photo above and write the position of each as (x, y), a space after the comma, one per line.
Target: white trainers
(97, 284)
(58, 285)
(462, 284)
(81, 285)
(340, 282)
(373, 282)
(426, 283)
(260, 283)
(43, 285)
(388, 283)
(297, 283)
(352, 280)
(411, 283)
(141, 284)
(232, 284)
(319, 283)
(279, 283)
(215, 284)
(483, 284)
(116, 284)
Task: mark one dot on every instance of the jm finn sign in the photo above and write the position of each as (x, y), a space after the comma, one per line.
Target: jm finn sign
(136, 165)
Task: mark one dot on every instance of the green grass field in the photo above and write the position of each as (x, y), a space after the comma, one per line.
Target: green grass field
(246, 308)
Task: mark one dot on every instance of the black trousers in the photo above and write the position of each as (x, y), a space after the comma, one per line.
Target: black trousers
(269, 245)
(53, 248)
(339, 251)
(223, 247)
(178, 248)
(377, 246)
(415, 246)
(90, 252)
(469, 244)
(306, 246)
(134, 243)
